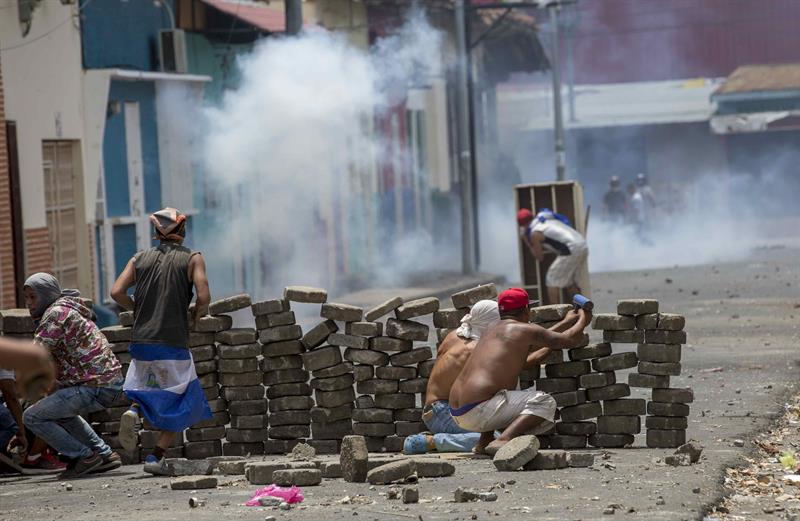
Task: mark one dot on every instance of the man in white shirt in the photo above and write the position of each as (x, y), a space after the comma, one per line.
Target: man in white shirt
(546, 232)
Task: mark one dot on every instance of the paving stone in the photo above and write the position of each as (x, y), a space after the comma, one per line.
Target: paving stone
(549, 313)
(285, 318)
(678, 460)
(516, 453)
(625, 407)
(624, 337)
(290, 403)
(247, 407)
(335, 398)
(336, 370)
(255, 421)
(232, 468)
(685, 395)
(611, 441)
(598, 350)
(238, 365)
(433, 467)
(213, 324)
(279, 446)
(581, 412)
(382, 309)
(660, 368)
(331, 414)
(664, 439)
(377, 386)
(449, 318)
(613, 322)
(112, 333)
(554, 357)
(297, 477)
(671, 322)
(240, 351)
(415, 385)
(394, 471)
(576, 428)
(409, 428)
(609, 392)
(666, 422)
(406, 330)
(373, 429)
(563, 441)
(236, 336)
(410, 495)
(286, 376)
(280, 334)
(667, 409)
(580, 459)
(333, 384)
(660, 336)
(305, 294)
(365, 329)
(281, 363)
(366, 356)
(350, 341)
(253, 392)
(593, 380)
(390, 345)
(331, 469)
(649, 321)
(289, 432)
(365, 402)
(425, 368)
(341, 312)
(570, 398)
(648, 381)
(470, 297)
(619, 425)
(246, 435)
(557, 385)
(412, 357)
(393, 443)
(260, 473)
(280, 349)
(417, 308)
(332, 431)
(363, 372)
(615, 362)
(229, 304)
(200, 339)
(395, 401)
(193, 483)
(637, 306)
(396, 373)
(200, 353)
(240, 379)
(324, 447)
(217, 418)
(548, 460)
(408, 415)
(317, 335)
(208, 380)
(207, 434)
(186, 467)
(201, 368)
(211, 393)
(197, 450)
(269, 307)
(243, 449)
(322, 358)
(659, 352)
(353, 458)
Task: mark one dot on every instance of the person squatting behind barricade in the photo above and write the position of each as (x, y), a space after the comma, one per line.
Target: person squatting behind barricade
(161, 379)
(453, 353)
(88, 376)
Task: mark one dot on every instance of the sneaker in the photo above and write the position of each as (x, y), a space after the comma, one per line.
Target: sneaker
(128, 437)
(87, 464)
(110, 462)
(155, 466)
(45, 461)
(415, 444)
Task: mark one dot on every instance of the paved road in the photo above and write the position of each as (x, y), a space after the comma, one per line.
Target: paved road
(742, 360)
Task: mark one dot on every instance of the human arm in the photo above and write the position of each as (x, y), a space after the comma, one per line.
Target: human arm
(536, 246)
(538, 354)
(567, 339)
(126, 279)
(197, 273)
(9, 391)
(28, 360)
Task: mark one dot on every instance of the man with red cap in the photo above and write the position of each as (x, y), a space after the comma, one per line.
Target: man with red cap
(549, 232)
(483, 398)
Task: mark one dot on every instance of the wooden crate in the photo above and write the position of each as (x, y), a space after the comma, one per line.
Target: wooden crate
(566, 198)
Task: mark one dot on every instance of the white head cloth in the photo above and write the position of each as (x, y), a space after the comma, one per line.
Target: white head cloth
(481, 316)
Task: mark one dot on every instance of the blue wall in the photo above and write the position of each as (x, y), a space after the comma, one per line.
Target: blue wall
(122, 33)
(115, 162)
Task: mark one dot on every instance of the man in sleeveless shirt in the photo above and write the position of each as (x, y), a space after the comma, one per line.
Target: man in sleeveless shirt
(161, 379)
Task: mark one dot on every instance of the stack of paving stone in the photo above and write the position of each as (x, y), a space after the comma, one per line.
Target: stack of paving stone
(288, 392)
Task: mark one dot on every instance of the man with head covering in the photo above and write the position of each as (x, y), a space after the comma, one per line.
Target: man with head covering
(88, 376)
(161, 379)
(615, 202)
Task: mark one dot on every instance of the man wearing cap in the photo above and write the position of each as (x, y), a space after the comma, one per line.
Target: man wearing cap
(548, 232)
(483, 398)
(161, 379)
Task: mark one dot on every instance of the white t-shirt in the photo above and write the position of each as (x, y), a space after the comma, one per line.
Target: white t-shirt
(558, 237)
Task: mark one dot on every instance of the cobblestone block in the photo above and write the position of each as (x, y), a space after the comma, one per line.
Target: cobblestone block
(470, 297)
(609, 392)
(615, 362)
(365, 329)
(382, 309)
(685, 395)
(593, 380)
(598, 350)
(351, 341)
(612, 322)
(625, 407)
(659, 352)
(236, 336)
(619, 425)
(661, 336)
(637, 306)
(406, 330)
(305, 294)
(269, 307)
(290, 389)
(366, 356)
(648, 381)
(390, 345)
(317, 335)
(624, 337)
(417, 308)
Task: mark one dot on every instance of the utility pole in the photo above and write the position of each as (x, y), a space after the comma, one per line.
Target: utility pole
(464, 137)
(561, 167)
(294, 16)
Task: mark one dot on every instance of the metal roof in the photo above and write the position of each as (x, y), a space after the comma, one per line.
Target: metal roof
(257, 14)
(761, 78)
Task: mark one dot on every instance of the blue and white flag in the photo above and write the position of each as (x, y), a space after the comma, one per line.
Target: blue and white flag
(162, 381)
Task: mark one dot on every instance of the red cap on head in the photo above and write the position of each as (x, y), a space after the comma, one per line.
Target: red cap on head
(512, 299)
(524, 216)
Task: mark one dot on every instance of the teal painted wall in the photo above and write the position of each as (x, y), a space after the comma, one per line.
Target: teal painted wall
(217, 60)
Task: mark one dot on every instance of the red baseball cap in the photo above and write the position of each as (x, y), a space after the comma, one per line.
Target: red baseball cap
(513, 299)
(524, 216)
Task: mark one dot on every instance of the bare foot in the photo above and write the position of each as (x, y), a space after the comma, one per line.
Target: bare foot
(492, 448)
(485, 439)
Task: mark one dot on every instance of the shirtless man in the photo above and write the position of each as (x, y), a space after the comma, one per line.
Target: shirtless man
(482, 398)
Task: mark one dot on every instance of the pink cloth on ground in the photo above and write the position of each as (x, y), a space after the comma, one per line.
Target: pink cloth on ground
(291, 495)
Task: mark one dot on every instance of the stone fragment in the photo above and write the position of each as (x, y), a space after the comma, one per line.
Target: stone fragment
(685, 395)
(659, 352)
(351, 341)
(373, 429)
(415, 385)
(364, 372)
(548, 460)
(576, 428)
(366, 356)
(410, 495)
(666, 422)
(377, 386)
(678, 460)
(353, 458)
(570, 398)
(112, 333)
(551, 313)
(269, 307)
(417, 308)
(395, 401)
(213, 324)
(260, 473)
(649, 321)
(449, 318)
(612, 322)
(286, 318)
(193, 483)
(667, 409)
(125, 319)
(563, 441)
(281, 363)
(390, 345)
(392, 472)
(619, 424)
(291, 403)
(305, 294)
(693, 449)
(637, 306)
(665, 439)
(568, 369)
(615, 362)
(516, 453)
(406, 330)
(580, 459)
(557, 385)
(238, 365)
(365, 329)
(625, 407)
(660, 336)
(609, 392)
(648, 381)
(593, 380)
(581, 412)
(280, 334)
(322, 358)
(671, 322)
(253, 392)
(236, 336)
(336, 370)
(611, 441)
(412, 357)
(624, 337)
(660, 368)
(240, 351)
(289, 432)
(335, 398)
(382, 309)
(598, 350)
(240, 379)
(331, 414)
(396, 373)
(341, 312)
(286, 376)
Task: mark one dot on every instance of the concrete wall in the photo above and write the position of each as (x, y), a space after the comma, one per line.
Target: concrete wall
(7, 246)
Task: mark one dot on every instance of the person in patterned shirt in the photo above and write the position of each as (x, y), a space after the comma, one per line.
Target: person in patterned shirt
(88, 376)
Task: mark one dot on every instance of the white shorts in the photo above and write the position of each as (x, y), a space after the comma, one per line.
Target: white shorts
(566, 269)
(499, 411)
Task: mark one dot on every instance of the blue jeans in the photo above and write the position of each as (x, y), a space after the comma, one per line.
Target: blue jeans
(8, 427)
(447, 435)
(57, 419)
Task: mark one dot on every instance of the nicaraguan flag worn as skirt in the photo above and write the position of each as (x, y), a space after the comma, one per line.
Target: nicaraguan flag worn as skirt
(162, 380)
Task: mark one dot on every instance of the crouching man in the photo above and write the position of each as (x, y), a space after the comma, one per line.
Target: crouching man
(483, 398)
